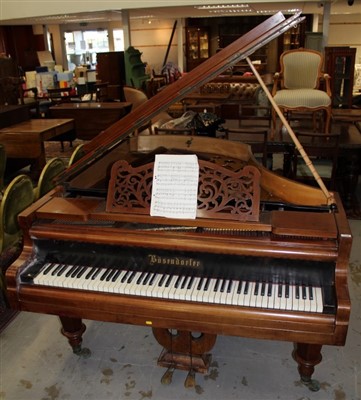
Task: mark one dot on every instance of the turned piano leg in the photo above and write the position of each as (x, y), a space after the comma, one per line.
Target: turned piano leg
(73, 329)
(307, 356)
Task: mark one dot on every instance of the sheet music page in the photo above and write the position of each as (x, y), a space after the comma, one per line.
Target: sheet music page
(175, 186)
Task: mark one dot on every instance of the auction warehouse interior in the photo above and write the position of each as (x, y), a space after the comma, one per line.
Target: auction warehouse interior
(180, 200)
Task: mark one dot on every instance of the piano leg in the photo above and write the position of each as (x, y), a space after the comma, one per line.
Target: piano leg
(307, 356)
(73, 329)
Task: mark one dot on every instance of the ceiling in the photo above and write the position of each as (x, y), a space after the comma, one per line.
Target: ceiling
(337, 7)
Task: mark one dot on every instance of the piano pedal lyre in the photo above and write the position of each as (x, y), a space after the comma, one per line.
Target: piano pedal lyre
(185, 351)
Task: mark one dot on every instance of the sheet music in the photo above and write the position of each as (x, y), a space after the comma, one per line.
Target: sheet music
(175, 186)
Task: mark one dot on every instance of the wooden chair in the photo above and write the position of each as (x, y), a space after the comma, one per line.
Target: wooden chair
(47, 177)
(255, 137)
(297, 87)
(174, 131)
(323, 151)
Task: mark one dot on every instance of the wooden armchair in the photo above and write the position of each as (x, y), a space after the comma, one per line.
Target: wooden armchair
(297, 87)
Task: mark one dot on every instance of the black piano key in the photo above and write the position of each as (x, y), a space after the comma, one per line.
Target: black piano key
(297, 295)
(167, 283)
(48, 268)
(81, 272)
(200, 283)
(96, 273)
(131, 277)
(116, 275)
(125, 276)
(310, 292)
(280, 290)
(71, 270)
(287, 291)
(152, 279)
(76, 271)
(90, 273)
(217, 285)
(304, 292)
(190, 282)
(55, 271)
(112, 272)
(206, 286)
(184, 282)
(270, 289)
(223, 286)
(141, 277)
(230, 285)
(162, 280)
(105, 274)
(256, 289)
(239, 289)
(178, 281)
(148, 275)
(263, 288)
(246, 287)
(62, 270)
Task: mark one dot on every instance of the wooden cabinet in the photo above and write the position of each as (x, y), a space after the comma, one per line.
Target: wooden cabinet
(197, 42)
(340, 65)
(110, 69)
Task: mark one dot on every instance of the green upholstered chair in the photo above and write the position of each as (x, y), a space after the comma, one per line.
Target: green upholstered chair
(77, 154)
(47, 177)
(18, 195)
(297, 86)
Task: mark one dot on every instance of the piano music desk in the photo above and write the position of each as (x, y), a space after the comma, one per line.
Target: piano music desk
(25, 140)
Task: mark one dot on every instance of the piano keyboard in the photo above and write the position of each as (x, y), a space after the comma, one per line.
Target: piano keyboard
(233, 292)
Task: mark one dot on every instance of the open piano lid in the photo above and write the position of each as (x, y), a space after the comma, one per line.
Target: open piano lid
(208, 70)
(112, 138)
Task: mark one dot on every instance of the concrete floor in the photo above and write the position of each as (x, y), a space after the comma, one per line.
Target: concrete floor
(37, 363)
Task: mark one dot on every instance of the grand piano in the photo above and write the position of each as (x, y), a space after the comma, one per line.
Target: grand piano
(265, 257)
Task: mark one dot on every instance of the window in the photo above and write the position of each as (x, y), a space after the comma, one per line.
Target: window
(82, 46)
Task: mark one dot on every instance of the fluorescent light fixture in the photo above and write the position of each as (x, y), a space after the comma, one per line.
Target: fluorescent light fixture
(221, 6)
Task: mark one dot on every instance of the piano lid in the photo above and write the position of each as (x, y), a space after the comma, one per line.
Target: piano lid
(208, 70)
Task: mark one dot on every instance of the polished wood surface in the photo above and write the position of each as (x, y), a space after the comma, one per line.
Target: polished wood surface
(91, 118)
(25, 140)
(296, 225)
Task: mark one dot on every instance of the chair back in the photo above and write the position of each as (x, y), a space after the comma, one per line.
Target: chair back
(18, 195)
(301, 69)
(255, 137)
(47, 177)
(323, 151)
(2, 165)
(134, 96)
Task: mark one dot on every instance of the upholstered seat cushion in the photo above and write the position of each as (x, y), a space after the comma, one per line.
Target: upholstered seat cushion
(296, 98)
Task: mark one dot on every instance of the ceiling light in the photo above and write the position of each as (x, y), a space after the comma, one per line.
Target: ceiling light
(221, 6)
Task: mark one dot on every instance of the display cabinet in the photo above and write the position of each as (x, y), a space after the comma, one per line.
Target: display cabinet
(197, 42)
(340, 65)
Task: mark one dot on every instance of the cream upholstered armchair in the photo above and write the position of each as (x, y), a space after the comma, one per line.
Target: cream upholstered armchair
(297, 86)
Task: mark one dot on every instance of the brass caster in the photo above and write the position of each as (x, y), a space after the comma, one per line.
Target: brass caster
(82, 352)
(167, 377)
(312, 384)
(190, 381)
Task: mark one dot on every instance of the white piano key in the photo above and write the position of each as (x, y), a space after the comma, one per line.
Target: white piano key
(289, 298)
(319, 300)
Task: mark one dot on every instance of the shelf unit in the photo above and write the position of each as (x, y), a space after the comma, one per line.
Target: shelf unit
(340, 65)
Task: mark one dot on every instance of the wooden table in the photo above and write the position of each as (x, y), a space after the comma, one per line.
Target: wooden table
(91, 118)
(25, 140)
